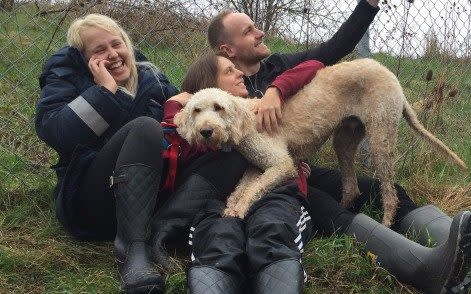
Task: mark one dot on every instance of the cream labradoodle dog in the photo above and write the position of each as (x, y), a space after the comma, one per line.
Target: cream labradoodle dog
(334, 103)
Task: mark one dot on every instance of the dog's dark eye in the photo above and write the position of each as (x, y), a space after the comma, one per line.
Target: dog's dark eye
(197, 110)
(218, 107)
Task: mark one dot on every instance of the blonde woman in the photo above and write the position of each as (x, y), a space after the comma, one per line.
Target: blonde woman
(101, 111)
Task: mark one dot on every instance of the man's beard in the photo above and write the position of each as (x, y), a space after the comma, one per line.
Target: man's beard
(254, 58)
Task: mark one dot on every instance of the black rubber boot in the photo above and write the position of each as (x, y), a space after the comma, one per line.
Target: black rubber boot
(428, 224)
(210, 280)
(432, 270)
(135, 188)
(171, 223)
(281, 277)
(431, 227)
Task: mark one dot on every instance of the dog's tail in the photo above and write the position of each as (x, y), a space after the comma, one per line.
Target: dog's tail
(411, 117)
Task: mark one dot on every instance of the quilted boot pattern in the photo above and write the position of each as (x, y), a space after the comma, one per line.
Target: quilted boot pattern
(135, 188)
(281, 277)
(209, 280)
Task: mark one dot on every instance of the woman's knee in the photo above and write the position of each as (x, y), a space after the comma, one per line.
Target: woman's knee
(145, 132)
(147, 127)
(142, 143)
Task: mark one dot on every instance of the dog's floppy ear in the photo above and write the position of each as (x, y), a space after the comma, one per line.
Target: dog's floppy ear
(183, 122)
(242, 122)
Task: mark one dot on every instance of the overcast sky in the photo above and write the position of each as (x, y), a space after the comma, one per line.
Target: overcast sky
(449, 20)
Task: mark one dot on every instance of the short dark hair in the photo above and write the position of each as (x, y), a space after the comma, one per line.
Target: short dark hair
(201, 74)
(217, 34)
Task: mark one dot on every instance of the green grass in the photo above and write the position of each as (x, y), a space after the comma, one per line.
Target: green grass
(37, 256)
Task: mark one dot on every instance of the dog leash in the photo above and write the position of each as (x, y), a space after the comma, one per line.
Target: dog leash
(172, 149)
(301, 181)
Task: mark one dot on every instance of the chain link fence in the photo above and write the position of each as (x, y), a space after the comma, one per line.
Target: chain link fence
(172, 33)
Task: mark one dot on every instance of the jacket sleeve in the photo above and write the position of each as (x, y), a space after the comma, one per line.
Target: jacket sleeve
(66, 117)
(163, 90)
(167, 88)
(342, 42)
(293, 80)
(171, 107)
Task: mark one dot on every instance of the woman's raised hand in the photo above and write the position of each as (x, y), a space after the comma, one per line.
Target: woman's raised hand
(101, 75)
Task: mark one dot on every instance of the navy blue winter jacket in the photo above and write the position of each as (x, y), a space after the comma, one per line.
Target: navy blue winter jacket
(77, 117)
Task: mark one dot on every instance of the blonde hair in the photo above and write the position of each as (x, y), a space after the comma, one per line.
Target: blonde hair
(95, 20)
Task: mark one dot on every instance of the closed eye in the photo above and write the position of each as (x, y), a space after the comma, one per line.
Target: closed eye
(197, 110)
(218, 107)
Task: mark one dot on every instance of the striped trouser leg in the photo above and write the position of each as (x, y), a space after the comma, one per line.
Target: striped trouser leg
(277, 228)
(217, 241)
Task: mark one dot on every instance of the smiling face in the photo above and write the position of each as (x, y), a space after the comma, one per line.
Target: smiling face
(229, 78)
(213, 118)
(246, 40)
(104, 45)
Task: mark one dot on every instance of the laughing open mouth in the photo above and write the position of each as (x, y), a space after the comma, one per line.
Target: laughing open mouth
(115, 65)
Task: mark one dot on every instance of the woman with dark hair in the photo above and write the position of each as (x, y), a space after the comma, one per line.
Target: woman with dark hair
(263, 251)
(202, 74)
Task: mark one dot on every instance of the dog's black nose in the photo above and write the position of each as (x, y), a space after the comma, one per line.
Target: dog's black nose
(206, 132)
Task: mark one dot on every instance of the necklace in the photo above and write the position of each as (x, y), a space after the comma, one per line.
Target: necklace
(254, 86)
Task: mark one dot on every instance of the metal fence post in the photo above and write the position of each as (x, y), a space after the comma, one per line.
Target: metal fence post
(363, 51)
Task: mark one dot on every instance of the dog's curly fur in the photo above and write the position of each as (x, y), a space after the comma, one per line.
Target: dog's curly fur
(349, 100)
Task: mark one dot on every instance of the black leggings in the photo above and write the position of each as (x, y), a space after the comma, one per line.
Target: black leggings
(325, 193)
(140, 142)
(137, 142)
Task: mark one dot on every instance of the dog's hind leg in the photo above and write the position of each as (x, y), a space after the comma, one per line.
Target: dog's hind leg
(382, 141)
(346, 139)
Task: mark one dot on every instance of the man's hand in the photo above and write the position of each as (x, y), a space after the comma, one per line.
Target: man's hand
(373, 3)
(268, 111)
(181, 98)
(101, 75)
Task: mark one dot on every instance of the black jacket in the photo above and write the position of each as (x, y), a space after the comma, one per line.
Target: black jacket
(77, 117)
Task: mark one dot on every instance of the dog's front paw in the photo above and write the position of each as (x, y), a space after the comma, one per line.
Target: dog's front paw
(241, 211)
(241, 214)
